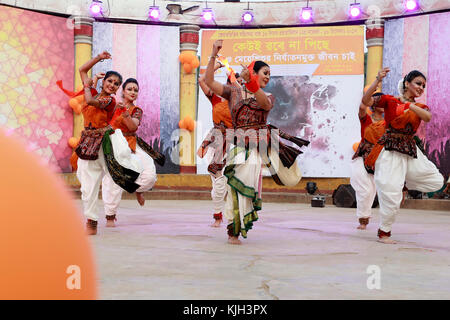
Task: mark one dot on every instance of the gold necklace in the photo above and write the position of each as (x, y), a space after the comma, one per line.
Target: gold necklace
(406, 99)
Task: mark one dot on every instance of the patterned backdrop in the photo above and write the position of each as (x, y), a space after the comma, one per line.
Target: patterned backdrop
(149, 54)
(36, 50)
(425, 49)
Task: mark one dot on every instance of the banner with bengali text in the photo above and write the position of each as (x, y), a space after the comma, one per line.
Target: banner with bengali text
(335, 50)
(317, 79)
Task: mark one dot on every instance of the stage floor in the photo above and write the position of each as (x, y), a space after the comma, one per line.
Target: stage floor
(167, 250)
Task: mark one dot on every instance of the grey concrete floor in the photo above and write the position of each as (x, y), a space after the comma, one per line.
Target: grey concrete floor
(167, 250)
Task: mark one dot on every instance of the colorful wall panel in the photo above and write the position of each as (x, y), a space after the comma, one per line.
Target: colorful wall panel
(36, 50)
(149, 54)
(421, 43)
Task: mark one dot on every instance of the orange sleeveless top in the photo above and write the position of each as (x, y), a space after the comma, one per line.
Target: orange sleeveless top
(98, 117)
(221, 112)
(400, 130)
(117, 123)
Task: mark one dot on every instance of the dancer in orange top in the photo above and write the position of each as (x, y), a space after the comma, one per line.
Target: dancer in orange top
(396, 157)
(362, 180)
(249, 106)
(126, 121)
(222, 121)
(97, 112)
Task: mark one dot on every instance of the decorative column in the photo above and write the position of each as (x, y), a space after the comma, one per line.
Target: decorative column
(83, 30)
(374, 39)
(188, 99)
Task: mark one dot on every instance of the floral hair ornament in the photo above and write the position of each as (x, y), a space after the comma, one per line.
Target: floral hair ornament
(400, 88)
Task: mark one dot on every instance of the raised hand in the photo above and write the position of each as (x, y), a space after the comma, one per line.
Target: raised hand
(100, 75)
(104, 55)
(245, 73)
(216, 47)
(383, 73)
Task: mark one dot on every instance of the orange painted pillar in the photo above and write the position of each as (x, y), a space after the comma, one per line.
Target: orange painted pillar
(374, 39)
(188, 99)
(83, 30)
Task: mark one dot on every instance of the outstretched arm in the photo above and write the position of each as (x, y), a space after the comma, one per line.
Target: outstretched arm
(367, 97)
(202, 83)
(87, 82)
(423, 114)
(215, 86)
(362, 110)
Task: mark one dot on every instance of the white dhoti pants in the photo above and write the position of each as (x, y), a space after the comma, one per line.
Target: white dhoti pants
(112, 193)
(365, 190)
(218, 192)
(249, 173)
(392, 170)
(90, 174)
(219, 185)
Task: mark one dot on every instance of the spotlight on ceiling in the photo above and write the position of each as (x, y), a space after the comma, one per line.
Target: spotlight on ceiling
(411, 5)
(355, 10)
(207, 14)
(154, 13)
(96, 8)
(247, 17)
(306, 15)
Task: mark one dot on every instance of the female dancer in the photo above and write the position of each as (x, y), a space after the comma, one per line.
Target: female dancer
(396, 157)
(97, 113)
(126, 120)
(222, 122)
(372, 128)
(249, 106)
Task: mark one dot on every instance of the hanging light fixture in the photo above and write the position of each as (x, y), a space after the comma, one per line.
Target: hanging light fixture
(207, 13)
(154, 13)
(411, 5)
(247, 16)
(96, 8)
(306, 14)
(355, 10)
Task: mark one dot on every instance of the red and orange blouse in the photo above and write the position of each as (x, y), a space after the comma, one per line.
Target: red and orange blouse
(117, 122)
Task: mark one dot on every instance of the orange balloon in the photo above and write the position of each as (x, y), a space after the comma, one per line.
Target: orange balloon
(73, 103)
(73, 142)
(45, 254)
(183, 57)
(355, 146)
(191, 125)
(195, 63)
(187, 68)
(182, 124)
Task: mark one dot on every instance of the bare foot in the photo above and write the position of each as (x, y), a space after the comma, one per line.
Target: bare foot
(110, 224)
(91, 231)
(362, 227)
(386, 240)
(91, 227)
(140, 198)
(216, 223)
(234, 240)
